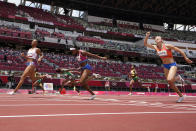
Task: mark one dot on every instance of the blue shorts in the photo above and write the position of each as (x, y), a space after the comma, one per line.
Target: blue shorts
(168, 66)
(30, 63)
(34, 62)
(87, 66)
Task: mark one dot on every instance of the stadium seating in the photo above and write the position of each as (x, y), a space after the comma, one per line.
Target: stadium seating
(15, 32)
(9, 10)
(90, 39)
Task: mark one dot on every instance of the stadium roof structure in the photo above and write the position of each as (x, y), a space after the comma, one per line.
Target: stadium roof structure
(144, 11)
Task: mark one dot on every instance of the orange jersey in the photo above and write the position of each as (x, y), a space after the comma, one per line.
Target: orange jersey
(164, 52)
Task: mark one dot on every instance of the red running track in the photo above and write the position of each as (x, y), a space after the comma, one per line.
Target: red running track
(105, 113)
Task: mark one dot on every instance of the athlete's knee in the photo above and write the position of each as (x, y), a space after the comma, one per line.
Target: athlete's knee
(170, 81)
(82, 82)
(22, 78)
(63, 83)
(34, 84)
(87, 88)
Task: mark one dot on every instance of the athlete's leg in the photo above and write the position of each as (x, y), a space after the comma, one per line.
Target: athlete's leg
(171, 79)
(26, 73)
(131, 86)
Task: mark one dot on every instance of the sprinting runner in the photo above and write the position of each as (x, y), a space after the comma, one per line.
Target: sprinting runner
(85, 67)
(134, 78)
(39, 82)
(70, 78)
(165, 53)
(34, 56)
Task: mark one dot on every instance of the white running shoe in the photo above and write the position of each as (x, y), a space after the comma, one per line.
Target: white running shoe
(148, 89)
(92, 97)
(11, 93)
(180, 99)
(130, 94)
(97, 76)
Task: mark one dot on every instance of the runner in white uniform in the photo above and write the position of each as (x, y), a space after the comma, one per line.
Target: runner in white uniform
(32, 61)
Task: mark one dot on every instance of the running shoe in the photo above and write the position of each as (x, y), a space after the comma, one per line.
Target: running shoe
(92, 97)
(12, 93)
(180, 99)
(148, 89)
(97, 76)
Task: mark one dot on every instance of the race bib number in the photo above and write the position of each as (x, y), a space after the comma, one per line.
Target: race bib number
(162, 53)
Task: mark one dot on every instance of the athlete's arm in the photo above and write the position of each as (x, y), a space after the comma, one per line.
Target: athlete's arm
(146, 41)
(73, 69)
(129, 75)
(93, 55)
(75, 72)
(180, 51)
(40, 55)
(24, 56)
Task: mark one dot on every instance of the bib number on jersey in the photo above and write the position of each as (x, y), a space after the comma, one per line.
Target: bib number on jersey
(162, 53)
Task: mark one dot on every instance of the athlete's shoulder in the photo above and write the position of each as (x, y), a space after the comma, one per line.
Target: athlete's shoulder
(38, 49)
(154, 45)
(169, 46)
(83, 52)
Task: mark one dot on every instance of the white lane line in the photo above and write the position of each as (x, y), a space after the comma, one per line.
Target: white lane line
(44, 100)
(101, 104)
(132, 101)
(191, 109)
(94, 114)
(102, 99)
(97, 98)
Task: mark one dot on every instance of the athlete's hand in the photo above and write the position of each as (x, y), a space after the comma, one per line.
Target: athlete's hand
(22, 54)
(188, 60)
(58, 70)
(148, 34)
(39, 61)
(104, 58)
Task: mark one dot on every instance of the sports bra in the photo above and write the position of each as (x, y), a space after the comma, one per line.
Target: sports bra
(32, 53)
(81, 58)
(164, 52)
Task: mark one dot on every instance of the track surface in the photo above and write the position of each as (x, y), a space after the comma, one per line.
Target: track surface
(106, 113)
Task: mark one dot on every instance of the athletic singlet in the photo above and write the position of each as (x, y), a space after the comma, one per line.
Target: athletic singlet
(133, 73)
(81, 58)
(37, 74)
(32, 53)
(164, 52)
(67, 73)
